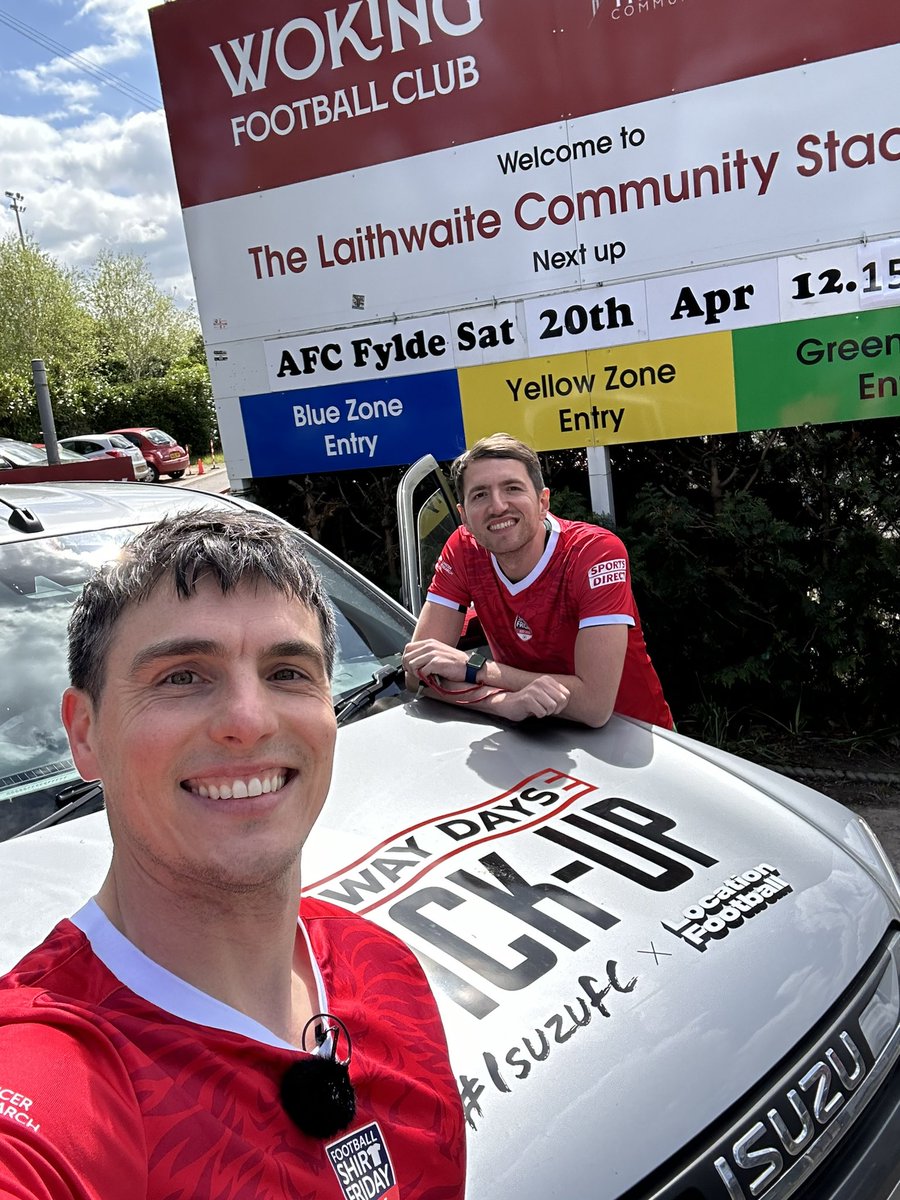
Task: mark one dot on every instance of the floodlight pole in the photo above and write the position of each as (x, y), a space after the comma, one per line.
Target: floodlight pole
(15, 203)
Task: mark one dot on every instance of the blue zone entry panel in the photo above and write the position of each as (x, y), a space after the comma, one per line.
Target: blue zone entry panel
(374, 423)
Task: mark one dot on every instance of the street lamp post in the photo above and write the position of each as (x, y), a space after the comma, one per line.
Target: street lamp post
(15, 203)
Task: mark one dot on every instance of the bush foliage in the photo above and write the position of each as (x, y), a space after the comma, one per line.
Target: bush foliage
(766, 569)
(179, 402)
(117, 351)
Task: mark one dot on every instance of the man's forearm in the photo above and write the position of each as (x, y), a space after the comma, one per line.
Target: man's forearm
(587, 698)
(589, 705)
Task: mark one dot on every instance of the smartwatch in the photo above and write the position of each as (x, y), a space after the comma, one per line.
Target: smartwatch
(474, 663)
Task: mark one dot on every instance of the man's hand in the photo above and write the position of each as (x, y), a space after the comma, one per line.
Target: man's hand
(433, 657)
(543, 697)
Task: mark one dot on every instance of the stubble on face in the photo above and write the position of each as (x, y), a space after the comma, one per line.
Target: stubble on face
(503, 511)
(200, 693)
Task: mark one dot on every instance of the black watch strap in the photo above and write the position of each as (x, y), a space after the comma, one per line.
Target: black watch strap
(474, 664)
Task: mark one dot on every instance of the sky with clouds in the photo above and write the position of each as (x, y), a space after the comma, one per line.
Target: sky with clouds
(83, 137)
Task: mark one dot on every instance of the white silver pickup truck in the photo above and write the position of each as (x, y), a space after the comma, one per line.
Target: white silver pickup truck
(665, 973)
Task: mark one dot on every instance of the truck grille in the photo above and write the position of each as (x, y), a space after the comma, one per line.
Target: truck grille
(797, 1134)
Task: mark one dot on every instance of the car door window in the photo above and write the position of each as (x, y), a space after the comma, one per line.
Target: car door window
(426, 516)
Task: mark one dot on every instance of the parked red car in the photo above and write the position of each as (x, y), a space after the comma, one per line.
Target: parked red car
(162, 452)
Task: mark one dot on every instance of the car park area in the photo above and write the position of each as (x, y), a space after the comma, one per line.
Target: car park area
(163, 454)
(109, 445)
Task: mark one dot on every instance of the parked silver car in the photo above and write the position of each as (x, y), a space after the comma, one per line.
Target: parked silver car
(110, 445)
(665, 973)
(23, 454)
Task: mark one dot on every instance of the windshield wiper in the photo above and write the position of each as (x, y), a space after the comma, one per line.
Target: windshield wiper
(352, 703)
(69, 799)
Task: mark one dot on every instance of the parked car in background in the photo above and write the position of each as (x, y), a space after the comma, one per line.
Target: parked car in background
(110, 445)
(23, 454)
(665, 973)
(163, 454)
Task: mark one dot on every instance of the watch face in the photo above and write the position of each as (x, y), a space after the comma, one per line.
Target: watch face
(476, 660)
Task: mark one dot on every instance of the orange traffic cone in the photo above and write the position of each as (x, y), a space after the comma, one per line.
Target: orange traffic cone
(199, 466)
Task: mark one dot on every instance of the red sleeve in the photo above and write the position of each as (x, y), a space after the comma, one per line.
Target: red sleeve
(603, 580)
(449, 584)
(70, 1125)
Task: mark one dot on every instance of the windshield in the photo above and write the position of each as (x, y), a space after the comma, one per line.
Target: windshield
(24, 455)
(158, 438)
(120, 442)
(39, 582)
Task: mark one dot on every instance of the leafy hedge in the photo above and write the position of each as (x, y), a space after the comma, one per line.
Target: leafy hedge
(767, 571)
(179, 402)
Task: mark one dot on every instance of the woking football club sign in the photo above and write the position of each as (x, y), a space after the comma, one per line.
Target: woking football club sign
(583, 221)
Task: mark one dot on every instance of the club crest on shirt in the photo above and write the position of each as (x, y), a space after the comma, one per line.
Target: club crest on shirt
(363, 1165)
(602, 574)
(523, 629)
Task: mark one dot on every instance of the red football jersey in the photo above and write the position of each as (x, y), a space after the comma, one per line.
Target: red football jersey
(118, 1079)
(582, 579)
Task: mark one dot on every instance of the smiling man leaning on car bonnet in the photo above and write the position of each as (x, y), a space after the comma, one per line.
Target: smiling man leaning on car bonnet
(185, 1033)
(553, 597)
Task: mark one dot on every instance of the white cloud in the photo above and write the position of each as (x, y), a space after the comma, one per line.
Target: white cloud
(106, 183)
(95, 173)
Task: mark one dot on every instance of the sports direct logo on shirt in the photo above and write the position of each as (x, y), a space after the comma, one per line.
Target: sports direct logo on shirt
(605, 573)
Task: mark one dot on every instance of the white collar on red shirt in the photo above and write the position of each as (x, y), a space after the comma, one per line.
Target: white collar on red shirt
(538, 568)
(169, 992)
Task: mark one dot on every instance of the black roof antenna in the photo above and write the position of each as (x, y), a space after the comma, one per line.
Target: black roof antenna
(22, 519)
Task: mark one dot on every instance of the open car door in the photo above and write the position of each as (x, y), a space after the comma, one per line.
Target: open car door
(426, 516)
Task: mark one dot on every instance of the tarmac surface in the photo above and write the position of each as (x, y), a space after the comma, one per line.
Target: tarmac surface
(213, 479)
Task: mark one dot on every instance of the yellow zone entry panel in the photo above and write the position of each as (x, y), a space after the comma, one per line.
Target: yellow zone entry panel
(681, 387)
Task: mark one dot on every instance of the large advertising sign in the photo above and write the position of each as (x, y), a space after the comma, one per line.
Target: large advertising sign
(413, 222)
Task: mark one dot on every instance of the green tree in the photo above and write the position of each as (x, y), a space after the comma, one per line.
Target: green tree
(42, 315)
(767, 571)
(140, 329)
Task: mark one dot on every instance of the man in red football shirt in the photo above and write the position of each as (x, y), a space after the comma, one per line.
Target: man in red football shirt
(553, 597)
(168, 1039)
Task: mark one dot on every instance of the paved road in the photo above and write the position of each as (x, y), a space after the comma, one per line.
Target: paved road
(213, 479)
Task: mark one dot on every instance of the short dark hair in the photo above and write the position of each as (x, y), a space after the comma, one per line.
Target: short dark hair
(228, 546)
(498, 445)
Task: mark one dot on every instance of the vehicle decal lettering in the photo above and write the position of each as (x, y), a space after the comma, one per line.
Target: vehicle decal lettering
(504, 1069)
(715, 915)
(516, 897)
(391, 867)
(487, 927)
(636, 818)
(378, 873)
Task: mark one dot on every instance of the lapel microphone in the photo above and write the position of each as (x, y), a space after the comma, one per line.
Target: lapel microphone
(316, 1092)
